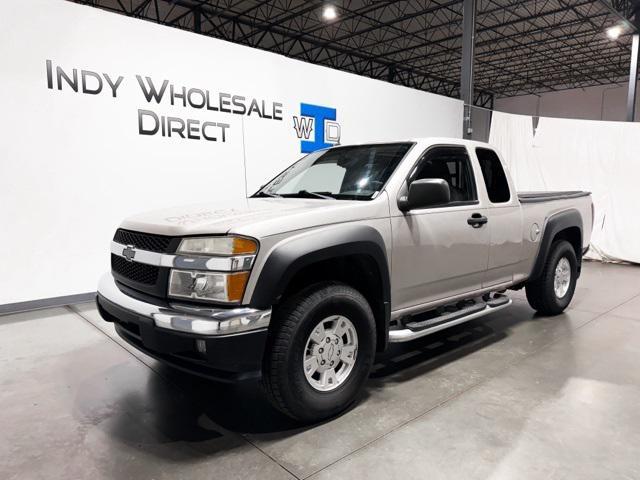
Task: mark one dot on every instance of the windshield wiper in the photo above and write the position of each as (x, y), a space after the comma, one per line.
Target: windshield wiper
(267, 194)
(307, 193)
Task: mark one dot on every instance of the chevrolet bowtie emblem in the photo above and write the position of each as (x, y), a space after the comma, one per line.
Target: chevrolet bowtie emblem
(129, 253)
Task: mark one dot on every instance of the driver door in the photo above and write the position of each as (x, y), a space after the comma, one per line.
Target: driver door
(437, 254)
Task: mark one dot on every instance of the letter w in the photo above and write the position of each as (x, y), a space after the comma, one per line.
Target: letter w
(303, 126)
(151, 92)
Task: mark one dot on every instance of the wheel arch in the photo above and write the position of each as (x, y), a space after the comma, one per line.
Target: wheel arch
(354, 254)
(565, 225)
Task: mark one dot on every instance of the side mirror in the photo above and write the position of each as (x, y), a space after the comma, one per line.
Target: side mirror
(424, 193)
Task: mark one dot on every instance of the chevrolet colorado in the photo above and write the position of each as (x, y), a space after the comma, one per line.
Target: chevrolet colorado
(348, 249)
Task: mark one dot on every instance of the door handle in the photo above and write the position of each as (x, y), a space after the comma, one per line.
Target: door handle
(477, 220)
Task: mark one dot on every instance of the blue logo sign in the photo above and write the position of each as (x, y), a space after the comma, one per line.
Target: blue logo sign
(318, 119)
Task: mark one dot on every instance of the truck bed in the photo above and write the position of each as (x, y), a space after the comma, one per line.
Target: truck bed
(535, 197)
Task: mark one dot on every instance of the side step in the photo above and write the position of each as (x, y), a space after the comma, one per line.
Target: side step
(448, 319)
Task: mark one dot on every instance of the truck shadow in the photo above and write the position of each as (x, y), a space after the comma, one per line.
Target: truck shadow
(175, 418)
(402, 362)
(244, 409)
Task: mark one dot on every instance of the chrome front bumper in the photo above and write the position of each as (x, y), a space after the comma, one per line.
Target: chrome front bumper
(187, 318)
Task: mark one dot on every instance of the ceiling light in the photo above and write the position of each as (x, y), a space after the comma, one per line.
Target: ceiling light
(329, 13)
(614, 32)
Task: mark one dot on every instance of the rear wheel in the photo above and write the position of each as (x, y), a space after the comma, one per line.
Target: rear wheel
(320, 351)
(552, 292)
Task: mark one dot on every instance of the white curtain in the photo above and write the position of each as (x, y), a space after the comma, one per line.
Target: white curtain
(513, 136)
(565, 154)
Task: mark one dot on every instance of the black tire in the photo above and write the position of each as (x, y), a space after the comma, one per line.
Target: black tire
(283, 376)
(541, 294)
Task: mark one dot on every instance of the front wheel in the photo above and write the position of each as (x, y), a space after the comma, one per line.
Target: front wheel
(552, 292)
(320, 352)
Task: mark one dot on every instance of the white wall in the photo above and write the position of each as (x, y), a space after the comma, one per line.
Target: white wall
(607, 102)
(73, 164)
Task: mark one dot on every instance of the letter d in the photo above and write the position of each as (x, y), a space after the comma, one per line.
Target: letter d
(156, 122)
(85, 88)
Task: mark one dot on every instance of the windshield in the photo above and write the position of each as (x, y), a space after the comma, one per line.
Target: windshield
(352, 173)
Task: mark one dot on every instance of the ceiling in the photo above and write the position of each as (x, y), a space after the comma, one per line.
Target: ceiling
(521, 47)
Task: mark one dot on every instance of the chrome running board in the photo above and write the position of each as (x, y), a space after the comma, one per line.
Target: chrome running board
(423, 328)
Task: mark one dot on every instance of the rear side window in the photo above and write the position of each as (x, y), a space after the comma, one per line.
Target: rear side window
(494, 177)
(452, 165)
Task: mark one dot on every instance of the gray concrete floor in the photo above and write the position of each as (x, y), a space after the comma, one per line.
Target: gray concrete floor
(513, 396)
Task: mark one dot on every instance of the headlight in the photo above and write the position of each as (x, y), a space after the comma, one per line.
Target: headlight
(215, 269)
(218, 246)
(211, 286)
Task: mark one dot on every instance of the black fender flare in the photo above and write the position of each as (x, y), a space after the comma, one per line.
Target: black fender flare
(333, 242)
(290, 257)
(555, 224)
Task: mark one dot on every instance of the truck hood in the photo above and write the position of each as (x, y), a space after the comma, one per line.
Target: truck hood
(256, 217)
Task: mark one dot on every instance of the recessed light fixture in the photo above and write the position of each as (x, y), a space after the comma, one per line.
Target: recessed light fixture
(614, 32)
(329, 13)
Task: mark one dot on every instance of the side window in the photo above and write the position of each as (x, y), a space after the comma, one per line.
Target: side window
(494, 176)
(453, 166)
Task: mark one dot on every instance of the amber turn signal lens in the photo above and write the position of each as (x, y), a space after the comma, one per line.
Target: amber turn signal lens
(244, 246)
(236, 283)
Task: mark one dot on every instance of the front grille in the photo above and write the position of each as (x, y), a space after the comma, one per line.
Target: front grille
(144, 241)
(137, 272)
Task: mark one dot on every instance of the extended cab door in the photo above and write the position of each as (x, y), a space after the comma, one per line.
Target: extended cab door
(437, 252)
(504, 219)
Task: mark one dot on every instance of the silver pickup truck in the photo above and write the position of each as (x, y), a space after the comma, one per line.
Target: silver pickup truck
(345, 251)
